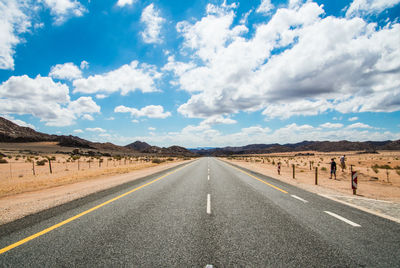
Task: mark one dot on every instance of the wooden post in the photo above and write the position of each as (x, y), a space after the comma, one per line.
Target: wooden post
(89, 162)
(294, 173)
(316, 175)
(51, 171)
(78, 163)
(33, 168)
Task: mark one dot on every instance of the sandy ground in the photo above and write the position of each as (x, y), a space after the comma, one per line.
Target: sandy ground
(374, 192)
(16, 206)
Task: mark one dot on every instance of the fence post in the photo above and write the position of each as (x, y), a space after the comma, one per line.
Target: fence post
(316, 175)
(51, 171)
(78, 164)
(294, 173)
(33, 168)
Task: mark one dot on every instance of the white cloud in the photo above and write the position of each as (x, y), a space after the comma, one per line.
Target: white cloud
(66, 71)
(151, 111)
(13, 22)
(64, 9)
(198, 136)
(127, 78)
(265, 7)
(153, 24)
(43, 98)
(122, 3)
(101, 96)
(96, 129)
(332, 125)
(359, 125)
(84, 65)
(353, 118)
(152, 128)
(326, 63)
(135, 121)
(88, 117)
(366, 7)
(78, 131)
(218, 119)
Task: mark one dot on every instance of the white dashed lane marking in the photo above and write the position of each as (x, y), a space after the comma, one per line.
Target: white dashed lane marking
(208, 204)
(299, 198)
(343, 219)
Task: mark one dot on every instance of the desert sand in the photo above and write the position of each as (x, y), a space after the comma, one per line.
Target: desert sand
(378, 174)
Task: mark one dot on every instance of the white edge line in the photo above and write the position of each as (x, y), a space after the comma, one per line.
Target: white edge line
(299, 198)
(362, 208)
(208, 177)
(208, 204)
(343, 219)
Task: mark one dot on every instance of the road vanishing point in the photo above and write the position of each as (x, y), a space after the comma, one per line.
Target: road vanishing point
(206, 213)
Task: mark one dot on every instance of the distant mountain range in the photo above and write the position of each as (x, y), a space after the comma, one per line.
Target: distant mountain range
(11, 132)
(319, 146)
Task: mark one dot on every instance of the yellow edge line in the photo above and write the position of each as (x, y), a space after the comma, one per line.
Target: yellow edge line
(51, 228)
(269, 184)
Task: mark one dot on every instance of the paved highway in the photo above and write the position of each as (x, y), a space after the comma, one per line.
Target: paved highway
(204, 213)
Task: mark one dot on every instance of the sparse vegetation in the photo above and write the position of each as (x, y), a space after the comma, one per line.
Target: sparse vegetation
(41, 162)
(3, 161)
(157, 161)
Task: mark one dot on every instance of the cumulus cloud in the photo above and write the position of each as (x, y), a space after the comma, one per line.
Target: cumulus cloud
(366, 7)
(64, 9)
(265, 7)
(78, 131)
(84, 65)
(358, 125)
(122, 3)
(153, 23)
(299, 62)
(151, 111)
(353, 118)
(127, 78)
(331, 125)
(198, 136)
(13, 23)
(43, 98)
(96, 129)
(66, 71)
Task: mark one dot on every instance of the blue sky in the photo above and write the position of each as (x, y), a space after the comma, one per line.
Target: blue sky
(202, 73)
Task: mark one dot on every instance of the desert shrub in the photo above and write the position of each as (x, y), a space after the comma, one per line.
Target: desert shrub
(398, 171)
(273, 162)
(170, 159)
(41, 162)
(3, 161)
(157, 161)
(257, 160)
(323, 168)
(382, 166)
(375, 169)
(187, 158)
(53, 158)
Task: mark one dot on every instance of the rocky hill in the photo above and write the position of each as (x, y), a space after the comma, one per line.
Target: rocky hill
(11, 132)
(145, 148)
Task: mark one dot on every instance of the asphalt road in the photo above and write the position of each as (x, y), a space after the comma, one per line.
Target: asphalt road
(205, 213)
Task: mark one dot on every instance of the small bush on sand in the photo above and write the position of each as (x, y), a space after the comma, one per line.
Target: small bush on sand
(157, 161)
(41, 162)
(3, 161)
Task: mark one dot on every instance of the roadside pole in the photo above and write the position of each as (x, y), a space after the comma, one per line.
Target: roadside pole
(33, 168)
(353, 180)
(316, 175)
(294, 173)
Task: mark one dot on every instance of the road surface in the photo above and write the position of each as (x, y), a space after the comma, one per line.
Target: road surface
(205, 213)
